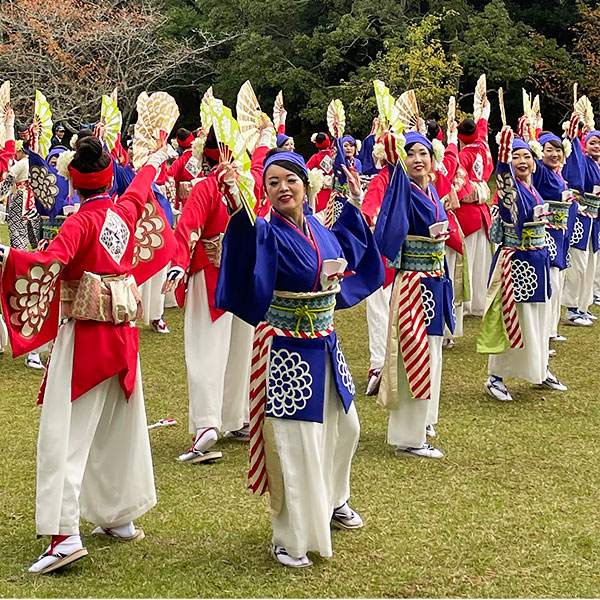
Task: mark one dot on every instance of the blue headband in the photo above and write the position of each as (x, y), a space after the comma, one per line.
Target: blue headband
(282, 139)
(348, 138)
(520, 144)
(414, 137)
(55, 152)
(592, 133)
(548, 137)
(283, 157)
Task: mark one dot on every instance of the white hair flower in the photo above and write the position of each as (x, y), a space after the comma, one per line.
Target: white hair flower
(358, 146)
(567, 147)
(438, 150)
(536, 149)
(313, 138)
(63, 162)
(315, 181)
(73, 142)
(379, 152)
(198, 148)
(174, 144)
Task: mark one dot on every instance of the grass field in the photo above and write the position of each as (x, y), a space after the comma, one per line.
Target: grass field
(511, 511)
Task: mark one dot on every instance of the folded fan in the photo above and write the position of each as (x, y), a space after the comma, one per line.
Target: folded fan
(248, 115)
(110, 117)
(4, 104)
(336, 118)
(277, 109)
(42, 124)
(479, 98)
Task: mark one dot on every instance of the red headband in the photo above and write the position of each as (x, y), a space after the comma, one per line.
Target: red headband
(189, 140)
(212, 153)
(91, 181)
(440, 134)
(324, 144)
(467, 139)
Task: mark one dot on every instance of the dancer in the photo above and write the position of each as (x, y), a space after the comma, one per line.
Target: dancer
(93, 448)
(283, 276)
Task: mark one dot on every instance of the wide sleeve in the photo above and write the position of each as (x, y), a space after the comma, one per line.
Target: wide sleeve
(248, 269)
(362, 254)
(510, 200)
(131, 203)
(373, 197)
(481, 130)
(392, 224)
(256, 168)
(574, 168)
(450, 160)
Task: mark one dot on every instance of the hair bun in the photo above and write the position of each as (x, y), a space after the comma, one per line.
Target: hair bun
(90, 148)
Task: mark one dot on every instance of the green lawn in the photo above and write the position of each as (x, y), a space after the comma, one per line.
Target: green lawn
(511, 511)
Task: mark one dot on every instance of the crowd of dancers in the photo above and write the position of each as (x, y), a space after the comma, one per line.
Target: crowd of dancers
(260, 247)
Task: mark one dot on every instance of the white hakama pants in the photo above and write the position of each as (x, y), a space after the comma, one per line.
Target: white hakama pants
(153, 300)
(93, 457)
(530, 362)
(217, 355)
(479, 256)
(3, 332)
(406, 425)
(557, 281)
(315, 462)
(578, 289)
(451, 256)
(378, 316)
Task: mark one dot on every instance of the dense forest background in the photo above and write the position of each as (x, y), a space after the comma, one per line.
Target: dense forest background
(314, 50)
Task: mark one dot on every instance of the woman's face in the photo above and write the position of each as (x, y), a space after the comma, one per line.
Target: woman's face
(289, 145)
(592, 147)
(418, 161)
(522, 161)
(285, 190)
(552, 156)
(349, 149)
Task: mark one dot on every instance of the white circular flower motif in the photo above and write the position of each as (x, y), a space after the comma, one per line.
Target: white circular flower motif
(290, 383)
(343, 370)
(32, 297)
(552, 249)
(428, 305)
(578, 232)
(148, 236)
(525, 280)
(43, 185)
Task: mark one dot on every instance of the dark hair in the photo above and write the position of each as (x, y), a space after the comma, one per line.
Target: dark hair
(22, 128)
(183, 134)
(90, 158)
(210, 144)
(409, 146)
(554, 143)
(320, 138)
(286, 164)
(82, 134)
(433, 129)
(467, 126)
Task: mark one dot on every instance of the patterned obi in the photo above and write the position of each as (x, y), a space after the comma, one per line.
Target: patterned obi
(559, 214)
(184, 190)
(341, 188)
(534, 236)
(590, 204)
(419, 253)
(106, 298)
(50, 228)
(302, 313)
(214, 248)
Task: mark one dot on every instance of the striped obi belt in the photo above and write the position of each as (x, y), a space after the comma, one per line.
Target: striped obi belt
(590, 203)
(105, 298)
(306, 315)
(418, 258)
(559, 214)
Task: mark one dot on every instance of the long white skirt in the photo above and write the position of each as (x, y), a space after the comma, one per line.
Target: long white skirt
(529, 363)
(3, 332)
(578, 289)
(378, 316)
(557, 281)
(94, 456)
(451, 256)
(406, 425)
(153, 300)
(479, 255)
(315, 462)
(217, 355)
(597, 277)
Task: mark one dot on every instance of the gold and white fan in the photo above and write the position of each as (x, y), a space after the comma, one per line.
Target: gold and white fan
(336, 118)
(478, 100)
(205, 114)
(451, 109)
(583, 107)
(4, 104)
(42, 124)
(157, 115)
(408, 111)
(248, 115)
(278, 108)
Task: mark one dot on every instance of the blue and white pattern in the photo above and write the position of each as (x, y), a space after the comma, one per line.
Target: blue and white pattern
(578, 232)
(428, 305)
(525, 280)
(290, 383)
(552, 249)
(114, 236)
(343, 370)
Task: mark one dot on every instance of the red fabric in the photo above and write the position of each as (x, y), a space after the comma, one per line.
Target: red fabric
(468, 139)
(472, 217)
(101, 349)
(205, 212)
(6, 155)
(263, 206)
(444, 177)
(179, 173)
(91, 181)
(119, 153)
(322, 160)
(212, 153)
(454, 241)
(374, 197)
(185, 144)
(281, 129)
(161, 178)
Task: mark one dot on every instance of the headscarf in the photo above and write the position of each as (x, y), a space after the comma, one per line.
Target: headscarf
(591, 134)
(520, 144)
(282, 139)
(414, 137)
(548, 137)
(286, 160)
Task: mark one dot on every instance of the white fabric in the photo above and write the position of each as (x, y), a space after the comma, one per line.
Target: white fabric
(479, 256)
(94, 456)
(320, 216)
(451, 256)
(153, 300)
(217, 355)
(315, 462)
(170, 300)
(3, 332)
(557, 281)
(406, 426)
(597, 277)
(578, 289)
(378, 316)
(530, 362)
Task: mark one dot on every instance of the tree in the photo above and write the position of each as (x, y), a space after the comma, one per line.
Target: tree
(75, 50)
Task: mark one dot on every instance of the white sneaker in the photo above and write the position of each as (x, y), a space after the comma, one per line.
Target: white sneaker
(34, 361)
(552, 352)
(495, 387)
(126, 533)
(62, 554)
(430, 431)
(590, 316)
(241, 435)
(160, 326)
(575, 317)
(597, 300)
(558, 338)
(283, 558)
(374, 381)
(425, 451)
(345, 518)
(553, 383)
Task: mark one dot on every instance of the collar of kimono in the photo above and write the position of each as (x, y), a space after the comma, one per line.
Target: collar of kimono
(92, 199)
(91, 181)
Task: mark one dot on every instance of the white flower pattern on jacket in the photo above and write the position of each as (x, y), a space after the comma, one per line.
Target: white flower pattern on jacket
(428, 305)
(114, 236)
(43, 185)
(578, 231)
(343, 370)
(290, 383)
(552, 249)
(148, 235)
(525, 280)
